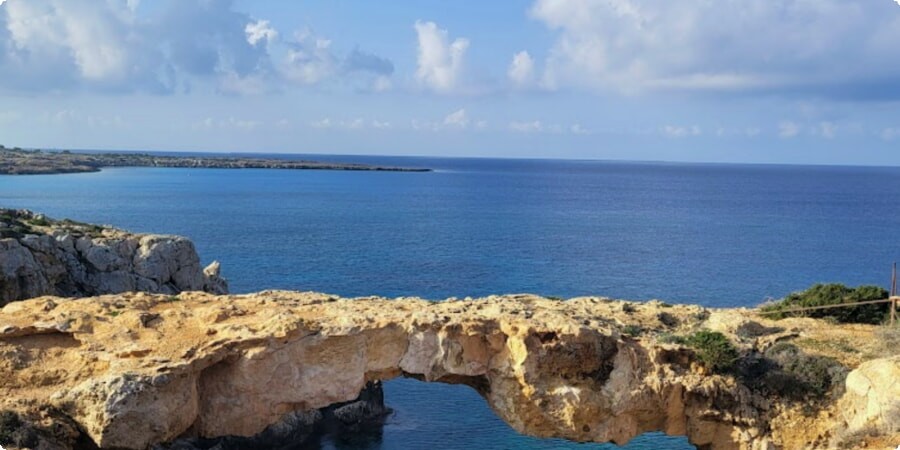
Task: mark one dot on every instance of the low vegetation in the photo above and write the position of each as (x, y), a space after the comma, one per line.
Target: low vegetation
(833, 294)
(807, 374)
(887, 342)
(713, 349)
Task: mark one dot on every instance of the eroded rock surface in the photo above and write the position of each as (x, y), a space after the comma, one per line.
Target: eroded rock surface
(40, 256)
(137, 370)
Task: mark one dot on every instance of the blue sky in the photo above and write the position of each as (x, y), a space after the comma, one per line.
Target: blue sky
(796, 81)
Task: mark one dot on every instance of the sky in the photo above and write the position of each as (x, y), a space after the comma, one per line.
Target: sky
(774, 81)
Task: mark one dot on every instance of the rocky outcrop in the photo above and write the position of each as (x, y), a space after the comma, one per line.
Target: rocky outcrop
(40, 256)
(137, 370)
(871, 406)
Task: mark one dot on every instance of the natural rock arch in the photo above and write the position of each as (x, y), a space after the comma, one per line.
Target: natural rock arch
(135, 370)
(157, 368)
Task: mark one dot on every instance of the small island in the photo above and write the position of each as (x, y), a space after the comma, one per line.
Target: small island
(17, 161)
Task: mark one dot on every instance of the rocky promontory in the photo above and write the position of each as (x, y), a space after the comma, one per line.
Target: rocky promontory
(42, 256)
(36, 162)
(137, 370)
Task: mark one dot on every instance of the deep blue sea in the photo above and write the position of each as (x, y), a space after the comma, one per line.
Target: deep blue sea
(718, 235)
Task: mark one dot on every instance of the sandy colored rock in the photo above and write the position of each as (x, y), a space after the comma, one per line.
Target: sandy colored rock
(133, 370)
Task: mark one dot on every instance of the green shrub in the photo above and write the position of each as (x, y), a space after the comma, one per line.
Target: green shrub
(713, 349)
(799, 374)
(632, 330)
(833, 294)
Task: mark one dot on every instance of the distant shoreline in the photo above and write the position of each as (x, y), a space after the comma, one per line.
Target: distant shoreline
(18, 161)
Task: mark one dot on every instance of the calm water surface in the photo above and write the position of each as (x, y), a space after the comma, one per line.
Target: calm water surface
(718, 235)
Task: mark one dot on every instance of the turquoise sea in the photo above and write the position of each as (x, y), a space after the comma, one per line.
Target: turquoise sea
(718, 235)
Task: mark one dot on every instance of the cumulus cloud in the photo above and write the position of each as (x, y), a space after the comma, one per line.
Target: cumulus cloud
(260, 31)
(521, 69)
(63, 42)
(112, 46)
(440, 62)
(824, 47)
(309, 58)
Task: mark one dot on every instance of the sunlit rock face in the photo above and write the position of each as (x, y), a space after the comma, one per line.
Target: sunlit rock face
(40, 256)
(136, 370)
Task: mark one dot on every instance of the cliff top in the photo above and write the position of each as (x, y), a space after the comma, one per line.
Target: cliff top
(137, 369)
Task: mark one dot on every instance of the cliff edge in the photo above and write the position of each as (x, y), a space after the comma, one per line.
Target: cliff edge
(41, 256)
(137, 370)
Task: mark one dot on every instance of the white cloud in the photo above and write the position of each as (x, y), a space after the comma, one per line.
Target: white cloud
(380, 125)
(537, 126)
(521, 69)
(675, 131)
(113, 46)
(88, 38)
(351, 124)
(440, 62)
(578, 129)
(321, 123)
(457, 119)
(633, 46)
(230, 123)
(788, 129)
(309, 59)
(889, 134)
(260, 31)
(527, 127)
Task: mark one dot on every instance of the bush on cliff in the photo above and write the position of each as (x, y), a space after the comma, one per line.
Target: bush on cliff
(713, 349)
(805, 374)
(833, 294)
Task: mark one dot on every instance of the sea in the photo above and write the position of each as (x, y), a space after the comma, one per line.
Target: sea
(720, 235)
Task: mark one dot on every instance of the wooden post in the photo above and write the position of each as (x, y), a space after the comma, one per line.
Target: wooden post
(893, 304)
(893, 311)
(894, 280)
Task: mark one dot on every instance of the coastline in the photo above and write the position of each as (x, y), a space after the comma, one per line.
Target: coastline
(36, 162)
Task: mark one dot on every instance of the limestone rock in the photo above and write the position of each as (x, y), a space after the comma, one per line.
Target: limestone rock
(872, 399)
(137, 370)
(40, 256)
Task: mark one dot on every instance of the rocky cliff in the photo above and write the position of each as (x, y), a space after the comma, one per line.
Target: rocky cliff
(138, 370)
(40, 256)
